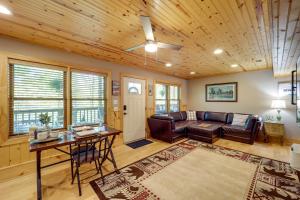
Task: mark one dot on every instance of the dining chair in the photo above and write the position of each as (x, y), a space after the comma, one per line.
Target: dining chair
(87, 151)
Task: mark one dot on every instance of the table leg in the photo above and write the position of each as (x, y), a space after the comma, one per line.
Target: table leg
(38, 175)
(112, 155)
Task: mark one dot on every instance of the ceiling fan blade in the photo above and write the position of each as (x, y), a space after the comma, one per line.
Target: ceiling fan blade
(168, 46)
(147, 27)
(135, 47)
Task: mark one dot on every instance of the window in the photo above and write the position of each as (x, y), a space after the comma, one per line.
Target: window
(134, 88)
(88, 98)
(34, 90)
(166, 98)
(160, 98)
(174, 98)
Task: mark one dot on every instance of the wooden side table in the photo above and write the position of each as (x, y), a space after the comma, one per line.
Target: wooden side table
(274, 129)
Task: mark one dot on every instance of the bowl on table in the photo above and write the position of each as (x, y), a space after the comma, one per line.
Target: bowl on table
(54, 134)
(42, 136)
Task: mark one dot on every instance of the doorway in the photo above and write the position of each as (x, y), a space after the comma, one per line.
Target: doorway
(134, 105)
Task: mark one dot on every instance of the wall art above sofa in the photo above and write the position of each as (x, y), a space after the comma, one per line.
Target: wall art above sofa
(222, 92)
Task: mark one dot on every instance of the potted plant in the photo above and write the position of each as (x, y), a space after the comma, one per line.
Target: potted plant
(45, 120)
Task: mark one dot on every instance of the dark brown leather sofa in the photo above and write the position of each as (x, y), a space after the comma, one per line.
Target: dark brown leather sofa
(208, 127)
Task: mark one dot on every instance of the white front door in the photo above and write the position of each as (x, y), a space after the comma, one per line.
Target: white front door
(134, 104)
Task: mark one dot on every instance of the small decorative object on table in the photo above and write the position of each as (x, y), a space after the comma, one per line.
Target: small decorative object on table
(278, 104)
(273, 129)
(45, 120)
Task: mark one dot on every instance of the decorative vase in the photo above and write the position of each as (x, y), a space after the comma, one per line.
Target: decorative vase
(47, 129)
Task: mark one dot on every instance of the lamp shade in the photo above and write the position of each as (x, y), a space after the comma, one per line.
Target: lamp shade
(278, 104)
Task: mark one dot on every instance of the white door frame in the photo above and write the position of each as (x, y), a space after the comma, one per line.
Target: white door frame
(122, 76)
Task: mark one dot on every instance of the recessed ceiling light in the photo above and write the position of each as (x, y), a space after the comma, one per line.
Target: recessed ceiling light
(192, 73)
(168, 65)
(234, 65)
(218, 51)
(4, 10)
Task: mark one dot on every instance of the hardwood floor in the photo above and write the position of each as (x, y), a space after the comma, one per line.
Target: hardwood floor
(57, 180)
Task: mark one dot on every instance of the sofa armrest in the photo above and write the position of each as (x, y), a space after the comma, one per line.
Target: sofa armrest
(161, 126)
(255, 130)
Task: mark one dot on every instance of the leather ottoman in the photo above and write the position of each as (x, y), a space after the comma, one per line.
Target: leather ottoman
(204, 132)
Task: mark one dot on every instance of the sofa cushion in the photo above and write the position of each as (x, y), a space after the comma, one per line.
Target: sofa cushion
(239, 119)
(229, 118)
(236, 131)
(183, 115)
(200, 115)
(215, 116)
(191, 115)
(180, 126)
(176, 116)
(251, 122)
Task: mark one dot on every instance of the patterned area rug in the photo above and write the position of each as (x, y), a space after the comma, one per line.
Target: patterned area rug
(270, 180)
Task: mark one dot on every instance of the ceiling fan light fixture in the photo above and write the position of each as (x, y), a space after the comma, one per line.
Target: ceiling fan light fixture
(234, 65)
(151, 47)
(192, 73)
(5, 10)
(168, 65)
(218, 51)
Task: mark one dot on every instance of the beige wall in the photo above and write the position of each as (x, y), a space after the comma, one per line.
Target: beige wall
(27, 49)
(255, 93)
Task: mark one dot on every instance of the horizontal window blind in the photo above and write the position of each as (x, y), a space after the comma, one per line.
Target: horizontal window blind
(174, 101)
(33, 91)
(88, 98)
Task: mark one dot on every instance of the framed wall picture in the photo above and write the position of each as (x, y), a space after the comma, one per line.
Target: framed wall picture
(115, 88)
(150, 90)
(222, 92)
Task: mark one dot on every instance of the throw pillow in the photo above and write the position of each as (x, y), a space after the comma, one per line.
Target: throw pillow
(239, 119)
(191, 115)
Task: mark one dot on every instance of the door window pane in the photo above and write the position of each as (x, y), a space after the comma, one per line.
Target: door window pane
(134, 88)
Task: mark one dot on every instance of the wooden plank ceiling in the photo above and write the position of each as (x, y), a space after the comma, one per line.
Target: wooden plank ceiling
(105, 28)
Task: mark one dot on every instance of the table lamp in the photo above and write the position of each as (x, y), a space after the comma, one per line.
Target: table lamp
(278, 105)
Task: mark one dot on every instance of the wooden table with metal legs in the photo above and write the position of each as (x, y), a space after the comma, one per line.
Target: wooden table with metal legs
(69, 139)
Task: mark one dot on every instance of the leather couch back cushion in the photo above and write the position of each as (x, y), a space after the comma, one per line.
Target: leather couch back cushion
(200, 115)
(215, 116)
(229, 118)
(183, 115)
(250, 122)
(176, 116)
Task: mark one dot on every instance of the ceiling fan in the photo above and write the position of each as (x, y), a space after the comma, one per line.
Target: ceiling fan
(151, 45)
